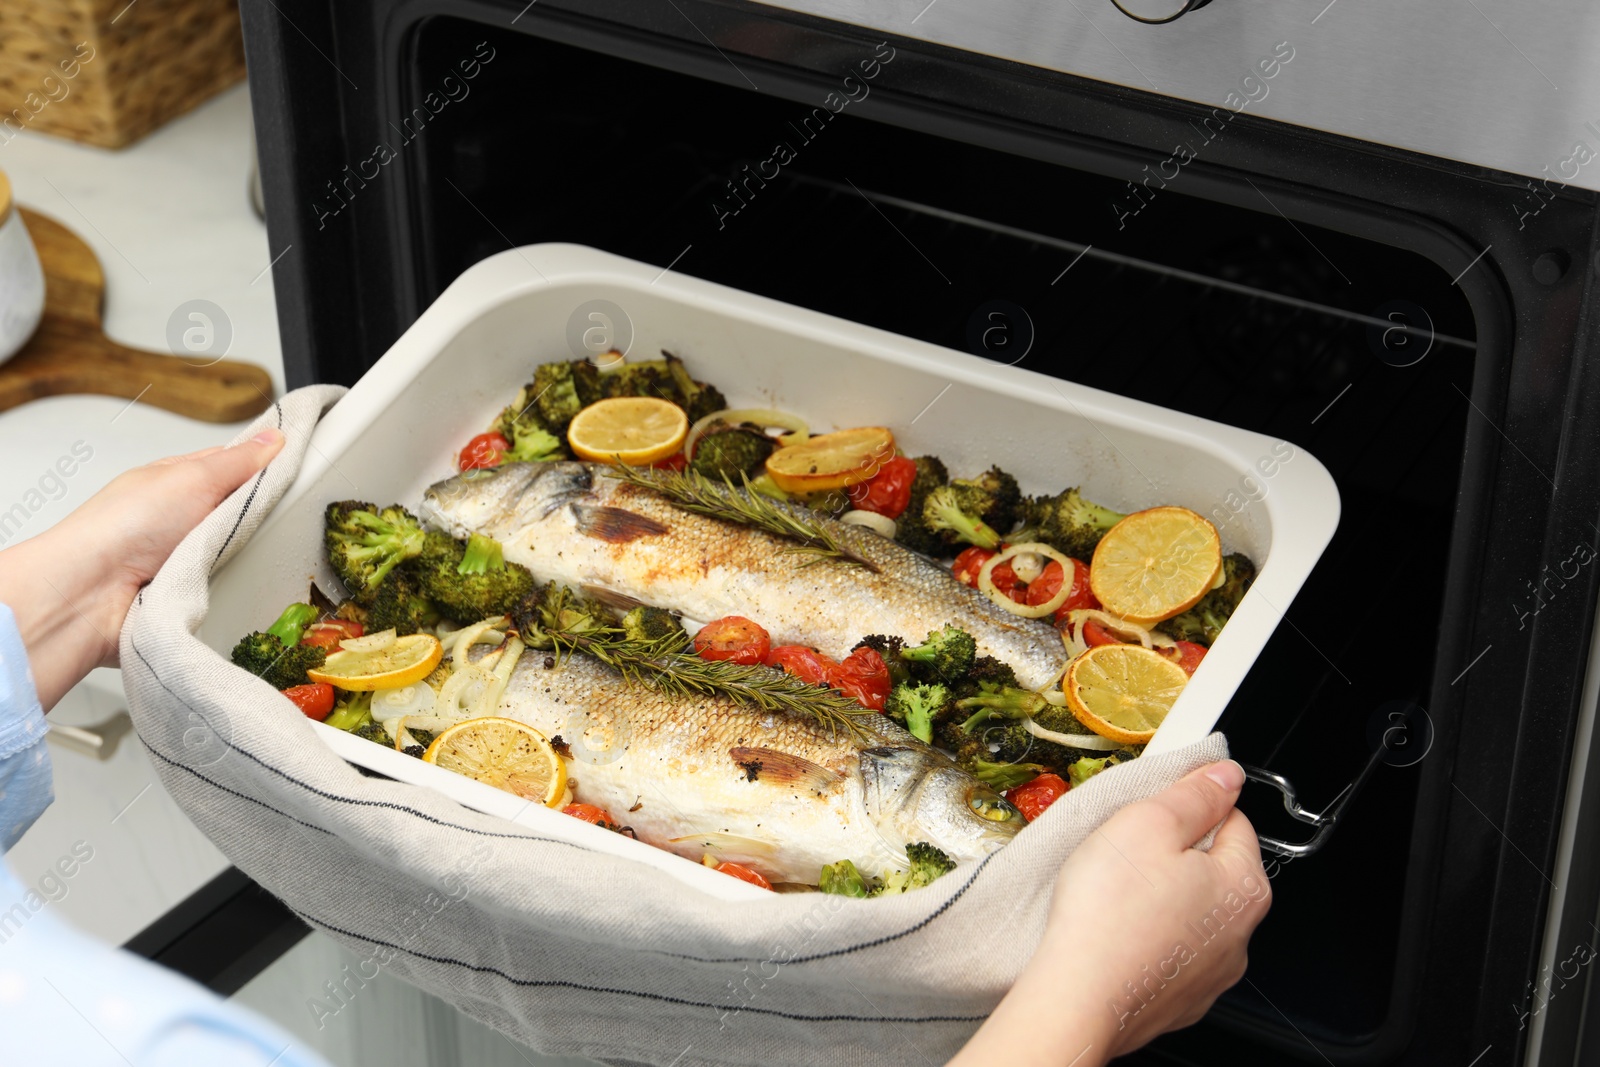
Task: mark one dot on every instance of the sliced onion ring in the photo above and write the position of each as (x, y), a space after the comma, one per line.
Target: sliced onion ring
(1039, 611)
(1078, 616)
(468, 636)
(1086, 741)
(798, 433)
(432, 723)
(489, 700)
(415, 699)
(878, 524)
(460, 692)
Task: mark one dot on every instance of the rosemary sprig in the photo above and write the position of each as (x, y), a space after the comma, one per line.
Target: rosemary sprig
(724, 500)
(667, 665)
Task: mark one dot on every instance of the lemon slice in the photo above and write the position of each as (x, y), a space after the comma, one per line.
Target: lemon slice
(831, 460)
(506, 754)
(1155, 564)
(400, 662)
(1123, 692)
(635, 430)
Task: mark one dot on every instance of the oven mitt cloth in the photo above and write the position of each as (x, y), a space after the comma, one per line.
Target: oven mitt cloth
(565, 949)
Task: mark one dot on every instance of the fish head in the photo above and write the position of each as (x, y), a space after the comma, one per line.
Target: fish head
(916, 794)
(498, 500)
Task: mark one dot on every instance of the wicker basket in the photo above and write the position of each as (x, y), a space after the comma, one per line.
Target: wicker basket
(107, 72)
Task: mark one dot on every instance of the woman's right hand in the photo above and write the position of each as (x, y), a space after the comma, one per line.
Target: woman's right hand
(1145, 931)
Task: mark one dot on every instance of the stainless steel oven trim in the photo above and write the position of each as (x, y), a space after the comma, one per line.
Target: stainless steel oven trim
(1558, 924)
(1500, 84)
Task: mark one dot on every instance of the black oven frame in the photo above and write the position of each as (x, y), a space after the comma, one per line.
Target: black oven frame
(1483, 864)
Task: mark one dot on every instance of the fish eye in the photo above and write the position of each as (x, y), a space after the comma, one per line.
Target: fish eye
(992, 806)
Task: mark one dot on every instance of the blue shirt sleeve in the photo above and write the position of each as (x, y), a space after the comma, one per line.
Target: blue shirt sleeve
(66, 999)
(25, 789)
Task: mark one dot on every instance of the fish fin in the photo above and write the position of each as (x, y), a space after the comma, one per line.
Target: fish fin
(616, 526)
(722, 844)
(783, 768)
(610, 597)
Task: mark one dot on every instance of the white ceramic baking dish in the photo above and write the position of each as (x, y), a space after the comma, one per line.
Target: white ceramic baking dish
(443, 381)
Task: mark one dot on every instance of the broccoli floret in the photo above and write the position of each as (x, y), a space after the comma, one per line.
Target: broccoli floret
(647, 625)
(652, 377)
(1084, 769)
(555, 396)
(525, 614)
(535, 446)
(698, 398)
(364, 544)
(918, 707)
(925, 863)
(989, 739)
(885, 645)
(279, 665)
(985, 670)
(482, 555)
(523, 426)
(992, 496)
(473, 593)
(910, 528)
(943, 515)
(1003, 776)
(1203, 622)
(353, 711)
(587, 380)
(949, 653)
(1071, 524)
(373, 731)
(845, 880)
(731, 453)
(999, 702)
(399, 605)
(291, 625)
(1003, 742)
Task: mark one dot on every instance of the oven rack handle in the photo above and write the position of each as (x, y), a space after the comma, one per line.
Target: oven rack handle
(1324, 820)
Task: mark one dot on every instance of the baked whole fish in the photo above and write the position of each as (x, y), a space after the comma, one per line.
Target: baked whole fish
(569, 523)
(704, 775)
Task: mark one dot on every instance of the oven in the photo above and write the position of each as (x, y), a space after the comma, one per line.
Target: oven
(1370, 234)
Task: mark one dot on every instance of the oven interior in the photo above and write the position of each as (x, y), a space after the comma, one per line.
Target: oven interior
(1236, 315)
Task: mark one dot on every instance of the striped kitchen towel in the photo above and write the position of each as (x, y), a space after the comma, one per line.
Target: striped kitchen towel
(566, 949)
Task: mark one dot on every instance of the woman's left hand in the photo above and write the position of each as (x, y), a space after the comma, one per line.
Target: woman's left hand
(71, 586)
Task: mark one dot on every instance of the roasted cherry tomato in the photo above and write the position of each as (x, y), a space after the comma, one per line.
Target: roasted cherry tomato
(734, 638)
(484, 450)
(1188, 655)
(329, 632)
(1031, 798)
(315, 699)
(675, 462)
(589, 813)
(863, 675)
(887, 492)
(1048, 584)
(744, 874)
(971, 561)
(806, 664)
(1096, 633)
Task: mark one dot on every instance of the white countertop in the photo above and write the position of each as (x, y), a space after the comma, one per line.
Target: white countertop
(171, 221)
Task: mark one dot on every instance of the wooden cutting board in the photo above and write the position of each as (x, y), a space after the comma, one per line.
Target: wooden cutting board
(71, 353)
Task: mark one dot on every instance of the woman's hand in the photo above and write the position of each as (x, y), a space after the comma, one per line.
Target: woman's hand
(1145, 931)
(71, 586)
